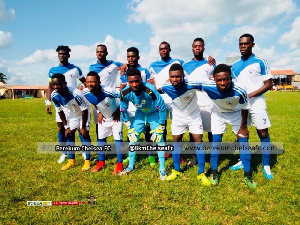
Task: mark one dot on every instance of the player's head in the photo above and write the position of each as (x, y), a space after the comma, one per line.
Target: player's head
(134, 79)
(176, 75)
(222, 77)
(133, 56)
(164, 50)
(101, 53)
(58, 82)
(63, 53)
(92, 81)
(198, 47)
(246, 43)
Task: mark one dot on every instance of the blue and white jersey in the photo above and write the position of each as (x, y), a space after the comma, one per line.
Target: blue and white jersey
(70, 71)
(73, 104)
(232, 100)
(145, 74)
(160, 70)
(184, 98)
(252, 73)
(105, 101)
(108, 72)
(149, 101)
(199, 71)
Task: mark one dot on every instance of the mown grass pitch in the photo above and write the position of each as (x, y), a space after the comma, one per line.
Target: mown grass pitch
(141, 197)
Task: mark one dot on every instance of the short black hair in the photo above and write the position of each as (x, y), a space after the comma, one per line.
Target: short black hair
(63, 48)
(198, 39)
(133, 72)
(102, 45)
(249, 36)
(93, 74)
(222, 68)
(176, 66)
(166, 43)
(59, 76)
(133, 49)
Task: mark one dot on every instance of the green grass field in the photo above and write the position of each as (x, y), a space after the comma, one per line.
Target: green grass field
(141, 198)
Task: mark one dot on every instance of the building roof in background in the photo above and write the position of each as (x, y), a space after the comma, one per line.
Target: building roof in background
(25, 87)
(283, 72)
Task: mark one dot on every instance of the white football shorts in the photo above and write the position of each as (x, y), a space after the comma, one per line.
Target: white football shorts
(109, 127)
(219, 120)
(205, 113)
(193, 122)
(260, 118)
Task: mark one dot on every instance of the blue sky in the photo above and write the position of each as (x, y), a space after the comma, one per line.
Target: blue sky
(31, 30)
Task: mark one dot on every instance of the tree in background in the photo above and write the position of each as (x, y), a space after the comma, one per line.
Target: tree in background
(3, 78)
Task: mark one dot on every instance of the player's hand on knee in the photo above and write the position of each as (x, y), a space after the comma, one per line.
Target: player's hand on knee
(84, 132)
(243, 133)
(68, 132)
(157, 133)
(101, 118)
(132, 135)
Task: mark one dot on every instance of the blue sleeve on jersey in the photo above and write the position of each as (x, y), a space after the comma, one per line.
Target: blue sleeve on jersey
(194, 85)
(123, 108)
(56, 102)
(181, 61)
(123, 79)
(93, 67)
(118, 64)
(80, 72)
(110, 94)
(148, 75)
(160, 104)
(264, 67)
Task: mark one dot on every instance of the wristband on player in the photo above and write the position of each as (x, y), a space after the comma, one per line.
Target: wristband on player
(128, 124)
(47, 102)
(66, 126)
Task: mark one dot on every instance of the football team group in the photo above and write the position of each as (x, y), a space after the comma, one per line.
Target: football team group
(197, 95)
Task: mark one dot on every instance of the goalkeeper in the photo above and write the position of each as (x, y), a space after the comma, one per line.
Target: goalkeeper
(150, 108)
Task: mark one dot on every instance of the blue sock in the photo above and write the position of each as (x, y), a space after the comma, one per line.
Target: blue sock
(86, 142)
(62, 139)
(161, 157)
(119, 152)
(200, 153)
(266, 150)
(101, 155)
(71, 142)
(176, 155)
(245, 153)
(217, 139)
(131, 156)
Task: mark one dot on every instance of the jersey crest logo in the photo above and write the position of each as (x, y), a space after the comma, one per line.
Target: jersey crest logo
(145, 109)
(228, 103)
(107, 104)
(186, 98)
(143, 102)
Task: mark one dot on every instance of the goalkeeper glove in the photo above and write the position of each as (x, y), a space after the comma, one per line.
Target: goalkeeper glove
(131, 132)
(157, 133)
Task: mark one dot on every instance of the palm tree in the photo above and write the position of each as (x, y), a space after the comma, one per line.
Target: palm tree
(3, 78)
